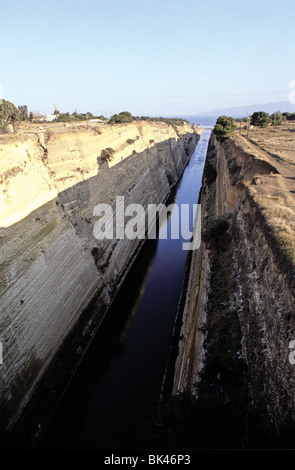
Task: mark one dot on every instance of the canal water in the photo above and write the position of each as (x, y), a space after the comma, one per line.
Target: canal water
(121, 374)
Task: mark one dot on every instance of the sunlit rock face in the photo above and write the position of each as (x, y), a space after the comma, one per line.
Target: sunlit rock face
(52, 266)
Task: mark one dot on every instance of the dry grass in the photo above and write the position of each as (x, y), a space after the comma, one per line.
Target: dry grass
(280, 142)
(281, 221)
(276, 196)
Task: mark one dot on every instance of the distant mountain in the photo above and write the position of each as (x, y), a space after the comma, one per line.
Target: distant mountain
(243, 111)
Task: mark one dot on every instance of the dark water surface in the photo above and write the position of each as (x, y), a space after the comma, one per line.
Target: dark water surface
(121, 373)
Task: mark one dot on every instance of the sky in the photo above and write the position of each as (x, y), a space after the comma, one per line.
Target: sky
(148, 57)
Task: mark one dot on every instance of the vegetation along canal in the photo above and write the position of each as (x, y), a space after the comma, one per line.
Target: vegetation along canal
(121, 374)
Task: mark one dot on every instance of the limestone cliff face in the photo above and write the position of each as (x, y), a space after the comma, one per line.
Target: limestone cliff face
(262, 280)
(52, 266)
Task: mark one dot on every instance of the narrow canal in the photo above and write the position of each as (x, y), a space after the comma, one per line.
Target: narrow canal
(121, 373)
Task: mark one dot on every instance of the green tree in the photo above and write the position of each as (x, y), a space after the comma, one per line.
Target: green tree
(124, 116)
(23, 112)
(260, 119)
(9, 114)
(276, 118)
(224, 126)
(63, 117)
(289, 116)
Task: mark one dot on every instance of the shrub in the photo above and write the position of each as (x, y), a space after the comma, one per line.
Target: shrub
(210, 173)
(224, 126)
(107, 154)
(9, 114)
(64, 117)
(289, 116)
(276, 118)
(215, 227)
(124, 116)
(260, 119)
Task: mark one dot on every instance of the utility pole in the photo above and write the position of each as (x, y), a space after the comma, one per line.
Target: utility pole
(248, 132)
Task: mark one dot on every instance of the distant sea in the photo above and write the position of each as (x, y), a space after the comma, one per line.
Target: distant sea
(204, 121)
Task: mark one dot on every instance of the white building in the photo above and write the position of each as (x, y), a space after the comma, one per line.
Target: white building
(49, 117)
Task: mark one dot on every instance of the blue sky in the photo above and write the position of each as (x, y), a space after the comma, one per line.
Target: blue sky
(150, 57)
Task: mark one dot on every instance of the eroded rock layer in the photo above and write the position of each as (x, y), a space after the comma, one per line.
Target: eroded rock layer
(52, 266)
(252, 191)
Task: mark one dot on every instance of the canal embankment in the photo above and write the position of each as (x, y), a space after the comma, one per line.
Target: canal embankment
(57, 280)
(240, 386)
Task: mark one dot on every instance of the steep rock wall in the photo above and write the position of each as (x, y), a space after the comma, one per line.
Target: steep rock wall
(52, 266)
(262, 281)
